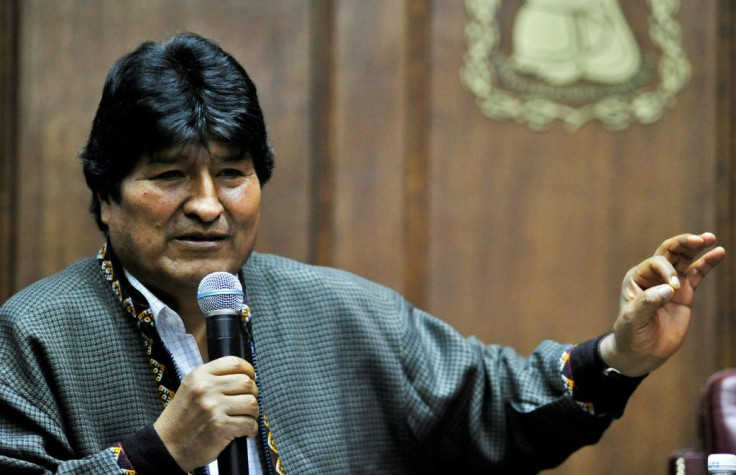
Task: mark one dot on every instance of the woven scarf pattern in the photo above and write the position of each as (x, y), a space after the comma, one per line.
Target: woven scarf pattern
(160, 360)
(162, 365)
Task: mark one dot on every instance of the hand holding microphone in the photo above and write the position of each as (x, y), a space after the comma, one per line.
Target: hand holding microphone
(216, 405)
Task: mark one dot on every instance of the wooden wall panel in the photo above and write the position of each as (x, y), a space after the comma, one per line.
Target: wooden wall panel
(416, 138)
(726, 179)
(369, 112)
(531, 233)
(60, 87)
(322, 120)
(385, 166)
(8, 118)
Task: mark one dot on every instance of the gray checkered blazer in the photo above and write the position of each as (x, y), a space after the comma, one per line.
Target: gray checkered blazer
(354, 380)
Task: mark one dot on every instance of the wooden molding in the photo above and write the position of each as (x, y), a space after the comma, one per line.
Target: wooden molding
(416, 165)
(8, 117)
(322, 76)
(726, 182)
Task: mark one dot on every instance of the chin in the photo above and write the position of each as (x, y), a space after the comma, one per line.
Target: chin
(209, 267)
(197, 269)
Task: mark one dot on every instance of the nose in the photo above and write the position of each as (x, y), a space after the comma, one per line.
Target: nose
(203, 202)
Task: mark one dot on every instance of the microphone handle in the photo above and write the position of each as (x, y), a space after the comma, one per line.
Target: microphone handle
(233, 460)
(224, 335)
(225, 338)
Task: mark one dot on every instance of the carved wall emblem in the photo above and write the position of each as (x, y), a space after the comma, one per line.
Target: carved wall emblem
(574, 61)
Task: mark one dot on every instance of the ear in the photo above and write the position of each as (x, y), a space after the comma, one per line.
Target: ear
(104, 209)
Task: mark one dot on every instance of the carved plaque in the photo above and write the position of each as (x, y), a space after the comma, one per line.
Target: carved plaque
(574, 61)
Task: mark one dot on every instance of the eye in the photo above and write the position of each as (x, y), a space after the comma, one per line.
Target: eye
(231, 173)
(169, 175)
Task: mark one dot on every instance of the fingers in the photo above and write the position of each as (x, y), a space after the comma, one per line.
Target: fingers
(238, 384)
(656, 301)
(655, 271)
(214, 404)
(678, 258)
(681, 250)
(231, 365)
(228, 376)
(655, 297)
(242, 405)
(680, 255)
(700, 268)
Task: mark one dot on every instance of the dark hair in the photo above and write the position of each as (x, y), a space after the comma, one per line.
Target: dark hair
(183, 90)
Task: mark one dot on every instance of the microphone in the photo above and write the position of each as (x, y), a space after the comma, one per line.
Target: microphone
(220, 297)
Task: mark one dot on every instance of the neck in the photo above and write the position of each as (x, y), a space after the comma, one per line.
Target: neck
(189, 312)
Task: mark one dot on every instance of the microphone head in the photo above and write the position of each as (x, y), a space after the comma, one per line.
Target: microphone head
(219, 291)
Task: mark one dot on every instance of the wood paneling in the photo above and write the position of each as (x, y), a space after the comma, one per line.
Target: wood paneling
(369, 112)
(417, 135)
(726, 179)
(533, 232)
(385, 166)
(322, 119)
(60, 87)
(8, 113)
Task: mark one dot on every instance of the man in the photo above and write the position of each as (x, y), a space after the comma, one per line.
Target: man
(105, 364)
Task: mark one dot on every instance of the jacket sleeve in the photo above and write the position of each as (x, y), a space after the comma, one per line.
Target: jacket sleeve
(32, 438)
(37, 431)
(485, 407)
(38, 434)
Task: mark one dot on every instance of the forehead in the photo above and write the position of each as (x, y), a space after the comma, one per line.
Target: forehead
(187, 152)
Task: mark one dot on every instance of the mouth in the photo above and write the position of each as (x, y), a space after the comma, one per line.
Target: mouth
(201, 240)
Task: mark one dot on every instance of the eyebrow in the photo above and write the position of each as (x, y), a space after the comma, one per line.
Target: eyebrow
(233, 157)
(162, 158)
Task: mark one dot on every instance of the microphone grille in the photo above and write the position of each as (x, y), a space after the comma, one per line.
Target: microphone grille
(219, 291)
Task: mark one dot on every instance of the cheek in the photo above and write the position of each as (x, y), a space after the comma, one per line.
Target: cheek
(246, 206)
(254, 204)
(146, 223)
(152, 209)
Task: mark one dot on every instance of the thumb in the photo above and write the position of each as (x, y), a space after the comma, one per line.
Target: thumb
(657, 296)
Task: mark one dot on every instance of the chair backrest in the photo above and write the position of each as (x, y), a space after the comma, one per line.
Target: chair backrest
(716, 425)
(717, 413)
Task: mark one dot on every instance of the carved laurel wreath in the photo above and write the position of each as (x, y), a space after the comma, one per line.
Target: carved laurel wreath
(616, 110)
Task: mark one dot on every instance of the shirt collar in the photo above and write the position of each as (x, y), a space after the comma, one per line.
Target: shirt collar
(156, 305)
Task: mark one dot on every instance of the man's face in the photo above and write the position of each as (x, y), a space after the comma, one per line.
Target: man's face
(184, 213)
